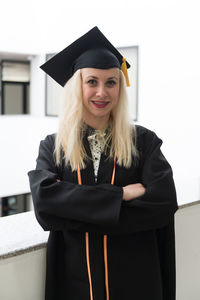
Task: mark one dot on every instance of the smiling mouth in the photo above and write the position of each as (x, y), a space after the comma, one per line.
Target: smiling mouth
(100, 104)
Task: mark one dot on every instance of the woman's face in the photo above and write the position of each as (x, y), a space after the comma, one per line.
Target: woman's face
(100, 92)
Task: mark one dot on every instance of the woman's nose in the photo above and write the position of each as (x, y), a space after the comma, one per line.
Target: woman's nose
(101, 91)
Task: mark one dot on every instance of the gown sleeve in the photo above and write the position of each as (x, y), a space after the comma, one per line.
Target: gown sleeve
(61, 205)
(157, 206)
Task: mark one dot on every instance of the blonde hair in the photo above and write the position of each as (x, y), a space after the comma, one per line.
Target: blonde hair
(69, 138)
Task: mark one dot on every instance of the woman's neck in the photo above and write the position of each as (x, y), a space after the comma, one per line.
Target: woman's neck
(97, 123)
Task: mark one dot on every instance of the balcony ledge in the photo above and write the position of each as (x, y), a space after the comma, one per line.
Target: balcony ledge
(21, 234)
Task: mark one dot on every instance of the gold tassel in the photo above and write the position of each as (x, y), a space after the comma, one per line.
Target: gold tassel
(125, 71)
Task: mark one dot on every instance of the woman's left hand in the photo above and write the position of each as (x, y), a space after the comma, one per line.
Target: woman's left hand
(132, 191)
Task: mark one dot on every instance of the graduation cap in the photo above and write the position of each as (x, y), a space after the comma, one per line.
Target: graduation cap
(92, 50)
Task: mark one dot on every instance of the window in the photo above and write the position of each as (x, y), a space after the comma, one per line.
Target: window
(15, 204)
(54, 90)
(53, 94)
(131, 55)
(15, 82)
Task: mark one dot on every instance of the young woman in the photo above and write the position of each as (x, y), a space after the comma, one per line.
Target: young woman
(102, 187)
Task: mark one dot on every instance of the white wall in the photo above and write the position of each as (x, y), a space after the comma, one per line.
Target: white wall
(169, 63)
(22, 277)
(20, 137)
(187, 231)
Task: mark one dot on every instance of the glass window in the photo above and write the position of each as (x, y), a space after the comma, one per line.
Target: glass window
(53, 94)
(15, 87)
(15, 71)
(15, 204)
(131, 55)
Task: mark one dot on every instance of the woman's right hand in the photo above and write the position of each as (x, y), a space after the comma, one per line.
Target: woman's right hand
(133, 191)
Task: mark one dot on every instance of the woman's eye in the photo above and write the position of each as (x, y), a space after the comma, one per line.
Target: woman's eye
(92, 82)
(111, 82)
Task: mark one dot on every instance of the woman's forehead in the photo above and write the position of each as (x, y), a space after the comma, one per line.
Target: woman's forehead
(93, 72)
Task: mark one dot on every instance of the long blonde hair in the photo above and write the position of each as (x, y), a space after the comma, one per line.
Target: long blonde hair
(69, 138)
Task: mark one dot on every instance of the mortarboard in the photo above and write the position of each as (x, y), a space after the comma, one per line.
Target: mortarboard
(92, 50)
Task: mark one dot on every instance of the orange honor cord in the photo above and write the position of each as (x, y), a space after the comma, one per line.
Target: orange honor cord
(113, 174)
(79, 175)
(106, 266)
(86, 244)
(105, 244)
(88, 263)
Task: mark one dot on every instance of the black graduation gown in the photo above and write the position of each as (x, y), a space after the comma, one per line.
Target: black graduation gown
(140, 233)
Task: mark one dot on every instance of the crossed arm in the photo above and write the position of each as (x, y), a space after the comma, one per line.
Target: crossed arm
(104, 207)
